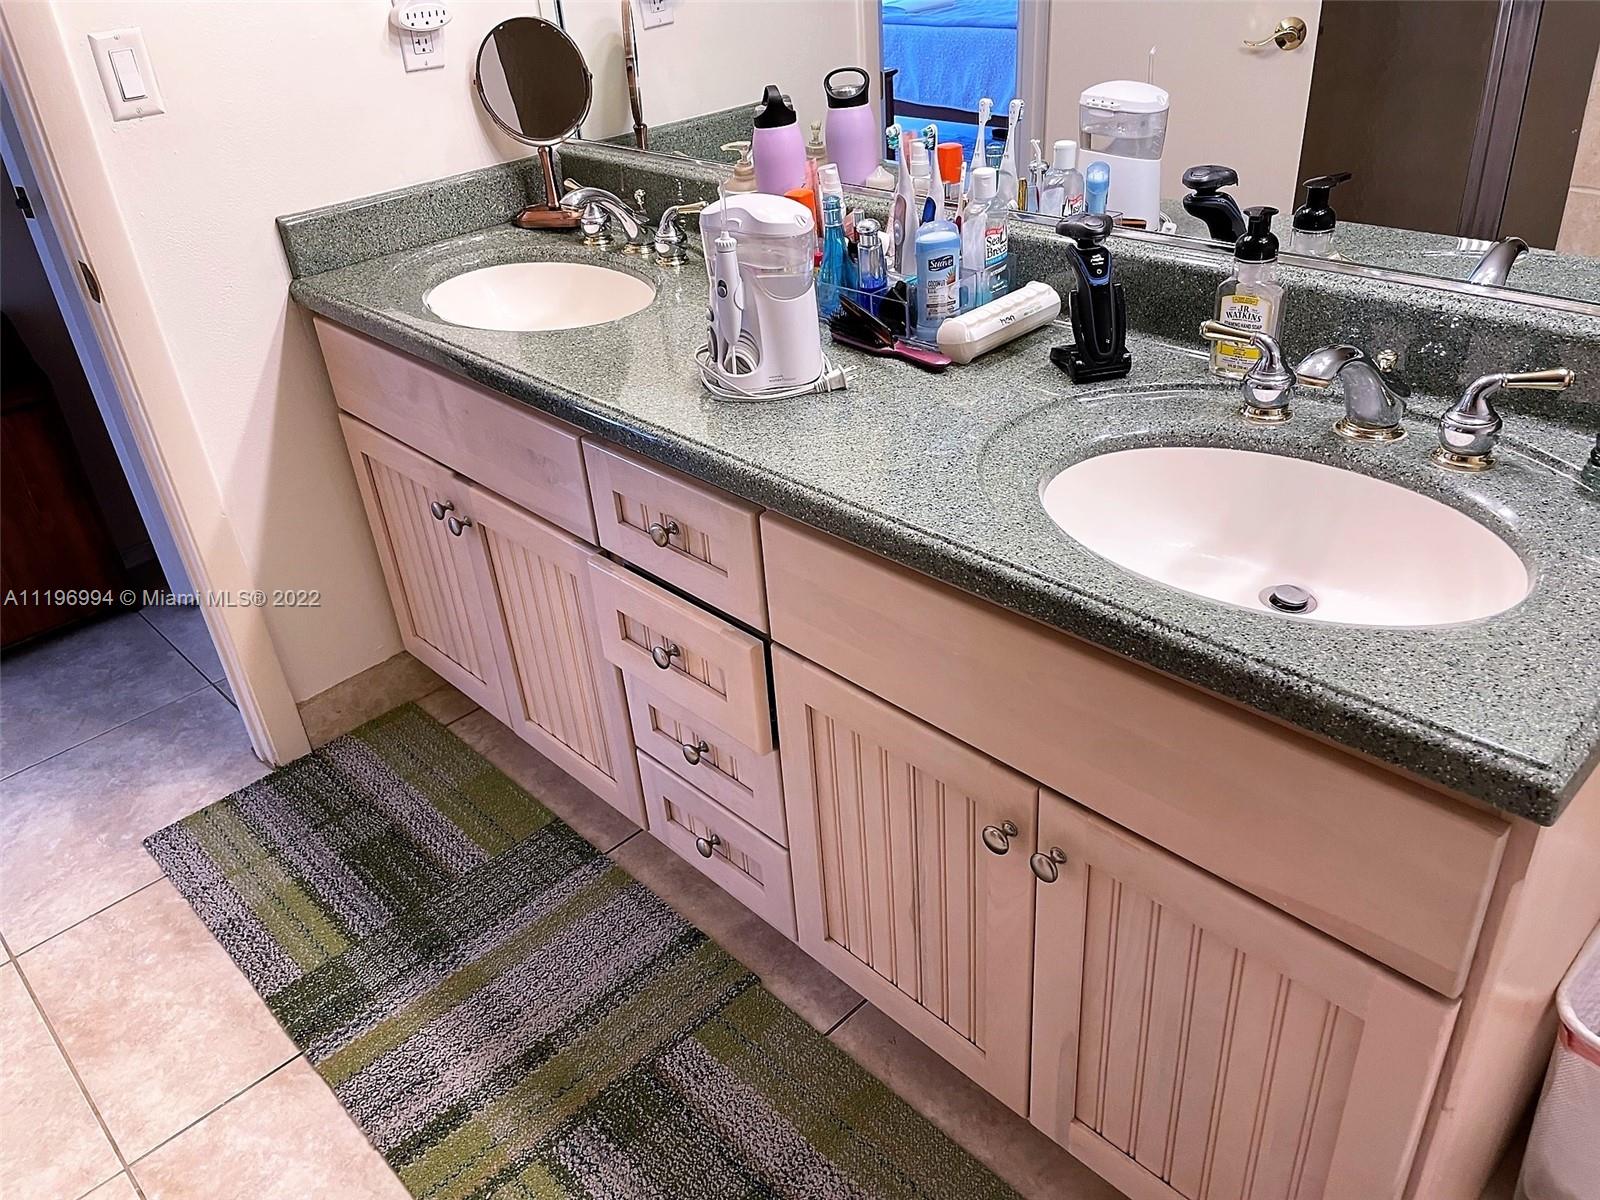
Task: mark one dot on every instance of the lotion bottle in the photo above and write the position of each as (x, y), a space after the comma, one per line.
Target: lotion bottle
(1251, 299)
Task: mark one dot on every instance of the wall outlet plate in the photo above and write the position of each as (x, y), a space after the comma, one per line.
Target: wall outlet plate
(656, 12)
(421, 30)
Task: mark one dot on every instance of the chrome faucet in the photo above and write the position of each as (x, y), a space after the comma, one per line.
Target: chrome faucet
(632, 220)
(1470, 428)
(1497, 261)
(1374, 402)
(1267, 384)
(671, 242)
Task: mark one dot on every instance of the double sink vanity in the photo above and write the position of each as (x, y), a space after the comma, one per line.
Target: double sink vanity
(1228, 896)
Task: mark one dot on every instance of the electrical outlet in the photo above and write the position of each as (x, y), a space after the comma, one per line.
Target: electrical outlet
(656, 12)
(421, 30)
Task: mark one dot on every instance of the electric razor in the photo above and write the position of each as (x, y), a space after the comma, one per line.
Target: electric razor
(1096, 305)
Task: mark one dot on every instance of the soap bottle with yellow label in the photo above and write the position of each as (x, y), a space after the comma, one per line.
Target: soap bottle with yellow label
(1251, 298)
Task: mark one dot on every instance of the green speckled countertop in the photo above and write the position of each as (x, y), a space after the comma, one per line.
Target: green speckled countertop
(941, 473)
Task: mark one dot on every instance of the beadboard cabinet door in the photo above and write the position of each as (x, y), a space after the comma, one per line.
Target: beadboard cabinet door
(1191, 1042)
(427, 543)
(562, 697)
(896, 891)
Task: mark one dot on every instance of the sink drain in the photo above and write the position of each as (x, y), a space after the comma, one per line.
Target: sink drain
(1289, 598)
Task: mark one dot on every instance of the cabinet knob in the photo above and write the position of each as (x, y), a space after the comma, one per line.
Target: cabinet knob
(1048, 866)
(705, 845)
(457, 524)
(998, 837)
(439, 509)
(693, 751)
(662, 532)
(663, 655)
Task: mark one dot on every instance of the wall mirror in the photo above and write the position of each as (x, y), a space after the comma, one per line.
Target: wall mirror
(536, 86)
(1462, 124)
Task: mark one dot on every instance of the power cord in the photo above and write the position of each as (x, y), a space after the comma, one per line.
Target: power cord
(833, 378)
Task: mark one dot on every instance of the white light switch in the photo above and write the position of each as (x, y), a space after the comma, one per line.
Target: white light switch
(123, 64)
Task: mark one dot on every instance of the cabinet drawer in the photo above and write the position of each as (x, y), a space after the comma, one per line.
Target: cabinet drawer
(1386, 865)
(690, 656)
(743, 781)
(739, 858)
(696, 538)
(530, 459)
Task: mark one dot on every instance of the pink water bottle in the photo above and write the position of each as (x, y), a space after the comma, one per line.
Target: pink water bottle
(776, 145)
(853, 134)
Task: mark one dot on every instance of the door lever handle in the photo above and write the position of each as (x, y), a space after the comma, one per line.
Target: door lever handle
(1290, 34)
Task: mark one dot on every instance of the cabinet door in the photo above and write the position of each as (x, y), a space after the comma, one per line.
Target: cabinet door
(895, 890)
(1191, 1041)
(562, 696)
(419, 512)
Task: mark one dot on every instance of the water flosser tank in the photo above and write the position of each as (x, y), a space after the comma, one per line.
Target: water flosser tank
(1124, 125)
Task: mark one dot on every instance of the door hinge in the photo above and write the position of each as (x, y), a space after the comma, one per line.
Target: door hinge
(90, 283)
(25, 204)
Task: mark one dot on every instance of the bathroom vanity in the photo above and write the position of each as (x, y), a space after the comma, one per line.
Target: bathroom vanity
(1199, 901)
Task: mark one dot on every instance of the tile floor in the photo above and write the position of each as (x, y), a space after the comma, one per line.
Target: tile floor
(135, 1061)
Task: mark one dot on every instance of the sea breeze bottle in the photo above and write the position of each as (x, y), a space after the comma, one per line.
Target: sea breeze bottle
(1251, 298)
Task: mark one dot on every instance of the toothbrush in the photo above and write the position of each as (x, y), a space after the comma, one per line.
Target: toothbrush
(979, 155)
(1036, 169)
(903, 209)
(1008, 161)
(933, 207)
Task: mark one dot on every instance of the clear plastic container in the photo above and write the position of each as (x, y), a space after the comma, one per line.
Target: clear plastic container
(1122, 118)
(1563, 1158)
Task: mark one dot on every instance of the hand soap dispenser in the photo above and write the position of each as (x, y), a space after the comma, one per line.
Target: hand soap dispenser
(1251, 299)
(1314, 220)
(1096, 305)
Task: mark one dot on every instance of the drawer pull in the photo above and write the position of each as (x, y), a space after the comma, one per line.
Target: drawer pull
(457, 524)
(998, 837)
(663, 655)
(692, 752)
(706, 845)
(1048, 866)
(661, 532)
(439, 510)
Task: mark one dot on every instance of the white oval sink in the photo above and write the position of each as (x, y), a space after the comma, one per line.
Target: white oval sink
(1235, 525)
(538, 296)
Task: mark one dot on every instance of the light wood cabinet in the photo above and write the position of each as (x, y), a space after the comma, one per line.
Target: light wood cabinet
(561, 695)
(426, 544)
(895, 889)
(1191, 1041)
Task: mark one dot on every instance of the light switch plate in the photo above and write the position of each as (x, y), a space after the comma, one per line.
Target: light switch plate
(656, 12)
(124, 41)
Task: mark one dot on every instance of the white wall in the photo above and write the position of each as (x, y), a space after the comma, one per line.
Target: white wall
(273, 108)
(716, 54)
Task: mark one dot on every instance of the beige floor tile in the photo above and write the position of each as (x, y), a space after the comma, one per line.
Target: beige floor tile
(65, 691)
(114, 1189)
(71, 827)
(284, 1139)
(184, 625)
(446, 705)
(160, 1024)
(993, 1134)
(50, 1143)
(595, 820)
(790, 974)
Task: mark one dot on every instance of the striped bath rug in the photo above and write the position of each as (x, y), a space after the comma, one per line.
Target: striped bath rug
(506, 1013)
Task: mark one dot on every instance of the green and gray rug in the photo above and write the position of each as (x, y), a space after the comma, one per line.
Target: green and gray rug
(507, 1014)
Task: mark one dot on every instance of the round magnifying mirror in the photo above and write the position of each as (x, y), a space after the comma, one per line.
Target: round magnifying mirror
(535, 85)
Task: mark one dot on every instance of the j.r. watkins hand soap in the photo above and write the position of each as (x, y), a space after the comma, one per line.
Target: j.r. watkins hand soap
(1251, 298)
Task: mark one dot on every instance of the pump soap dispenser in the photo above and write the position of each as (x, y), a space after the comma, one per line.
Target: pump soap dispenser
(1251, 298)
(1314, 220)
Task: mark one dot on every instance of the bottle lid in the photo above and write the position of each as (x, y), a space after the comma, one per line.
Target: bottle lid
(951, 160)
(916, 154)
(1065, 155)
(985, 183)
(845, 87)
(774, 111)
(1257, 244)
(866, 227)
(744, 166)
(1316, 215)
(815, 146)
(828, 180)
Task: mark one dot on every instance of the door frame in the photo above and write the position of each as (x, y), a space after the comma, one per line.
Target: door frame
(57, 139)
(1494, 145)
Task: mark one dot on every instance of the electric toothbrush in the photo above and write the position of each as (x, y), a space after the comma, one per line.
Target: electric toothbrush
(1008, 161)
(979, 152)
(933, 207)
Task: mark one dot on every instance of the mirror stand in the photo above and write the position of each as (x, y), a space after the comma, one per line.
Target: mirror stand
(548, 215)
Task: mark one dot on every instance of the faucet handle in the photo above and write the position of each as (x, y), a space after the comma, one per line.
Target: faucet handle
(670, 238)
(1267, 384)
(1470, 428)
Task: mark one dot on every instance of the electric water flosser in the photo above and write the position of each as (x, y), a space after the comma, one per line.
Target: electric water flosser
(727, 303)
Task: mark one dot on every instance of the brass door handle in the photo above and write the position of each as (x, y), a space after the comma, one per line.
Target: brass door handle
(1290, 34)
